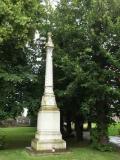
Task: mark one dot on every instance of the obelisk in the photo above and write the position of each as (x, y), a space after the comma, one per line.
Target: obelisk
(48, 136)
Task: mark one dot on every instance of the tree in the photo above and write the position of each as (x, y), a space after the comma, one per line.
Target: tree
(19, 21)
(87, 58)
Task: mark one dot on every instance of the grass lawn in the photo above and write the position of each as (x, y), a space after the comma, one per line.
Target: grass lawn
(20, 137)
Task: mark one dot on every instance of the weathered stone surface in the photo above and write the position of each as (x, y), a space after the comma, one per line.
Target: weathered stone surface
(49, 145)
(48, 101)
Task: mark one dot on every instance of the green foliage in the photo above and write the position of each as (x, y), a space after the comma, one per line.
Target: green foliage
(87, 58)
(114, 129)
(96, 144)
(19, 21)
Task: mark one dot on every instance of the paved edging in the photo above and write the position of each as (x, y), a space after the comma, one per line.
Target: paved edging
(115, 140)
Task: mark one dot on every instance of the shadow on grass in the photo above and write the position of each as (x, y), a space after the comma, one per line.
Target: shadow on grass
(20, 137)
(19, 143)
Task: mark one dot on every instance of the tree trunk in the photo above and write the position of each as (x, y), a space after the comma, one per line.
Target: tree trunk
(61, 123)
(102, 123)
(89, 125)
(68, 120)
(79, 127)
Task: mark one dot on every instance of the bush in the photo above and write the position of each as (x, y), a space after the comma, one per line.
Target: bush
(95, 142)
(119, 132)
(114, 129)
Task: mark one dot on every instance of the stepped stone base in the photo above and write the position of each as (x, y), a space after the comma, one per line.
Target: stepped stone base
(48, 136)
(50, 146)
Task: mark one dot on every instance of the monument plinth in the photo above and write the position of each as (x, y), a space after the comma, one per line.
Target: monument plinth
(48, 136)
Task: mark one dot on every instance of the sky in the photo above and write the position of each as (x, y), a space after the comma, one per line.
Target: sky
(54, 2)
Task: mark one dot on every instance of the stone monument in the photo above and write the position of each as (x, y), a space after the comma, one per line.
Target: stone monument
(48, 136)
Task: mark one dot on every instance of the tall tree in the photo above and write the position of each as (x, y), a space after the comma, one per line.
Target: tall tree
(19, 21)
(87, 58)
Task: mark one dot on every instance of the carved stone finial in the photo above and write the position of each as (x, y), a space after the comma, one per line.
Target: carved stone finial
(49, 43)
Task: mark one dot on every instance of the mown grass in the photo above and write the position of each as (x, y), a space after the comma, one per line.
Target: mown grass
(84, 153)
(19, 137)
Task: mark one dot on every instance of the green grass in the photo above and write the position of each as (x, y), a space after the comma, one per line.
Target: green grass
(18, 138)
(75, 154)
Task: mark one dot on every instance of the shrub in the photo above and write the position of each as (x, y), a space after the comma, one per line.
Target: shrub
(95, 142)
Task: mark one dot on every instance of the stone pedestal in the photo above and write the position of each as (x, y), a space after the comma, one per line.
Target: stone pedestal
(48, 136)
